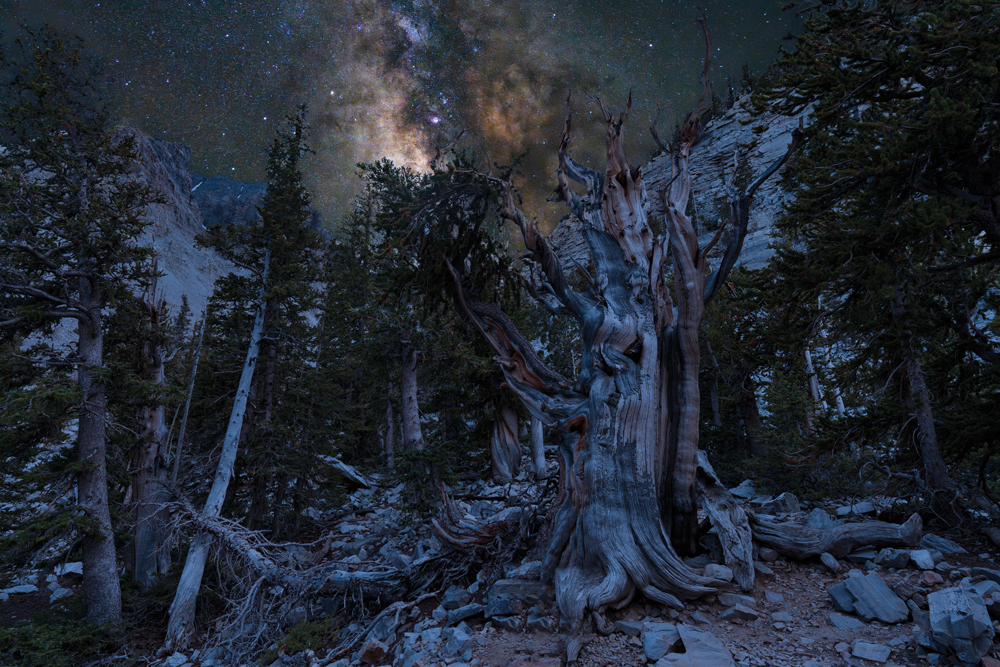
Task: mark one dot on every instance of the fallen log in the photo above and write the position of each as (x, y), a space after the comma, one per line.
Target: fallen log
(795, 540)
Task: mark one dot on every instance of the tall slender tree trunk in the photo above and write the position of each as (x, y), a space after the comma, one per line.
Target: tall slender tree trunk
(179, 449)
(100, 566)
(752, 422)
(182, 608)
(151, 552)
(413, 437)
(942, 487)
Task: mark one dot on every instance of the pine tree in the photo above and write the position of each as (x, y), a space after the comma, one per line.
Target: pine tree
(269, 444)
(899, 178)
(70, 218)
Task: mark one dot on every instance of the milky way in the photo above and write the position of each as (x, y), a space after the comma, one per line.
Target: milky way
(397, 79)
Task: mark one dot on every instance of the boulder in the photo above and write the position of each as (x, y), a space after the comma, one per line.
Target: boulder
(23, 588)
(868, 651)
(830, 562)
(522, 590)
(821, 520)
(960, 622)
(945, 546)
(701, 649)
(733, 599)
(455, 597)
(857, 508)
(501, 606)
(539, 623)
(922, 559)
(861, 556)
(659, 640)
(786, 503)
(744, 491)
(845, 622)
(372, 651)
(630, 628)
(720, 572)
(870, 598)
(456, 616)
(742, 612)
(512, 623)
(897, 558)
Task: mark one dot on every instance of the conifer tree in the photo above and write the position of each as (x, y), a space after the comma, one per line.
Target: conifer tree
(70, 219)
(899, 177)
(280, 258)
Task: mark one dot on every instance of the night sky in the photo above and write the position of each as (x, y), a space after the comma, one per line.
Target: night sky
(397, 78)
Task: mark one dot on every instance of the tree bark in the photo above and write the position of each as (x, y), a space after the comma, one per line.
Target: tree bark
(505, 449)
(942, 487)
(100, 568)
(150, 550)
(179, 450)
(751, 421)
(413, 438)
(182, 608)
(538, 448)
(627, 429)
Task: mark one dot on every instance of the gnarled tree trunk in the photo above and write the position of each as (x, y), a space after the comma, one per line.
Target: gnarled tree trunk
(505, 449)
(627, 428)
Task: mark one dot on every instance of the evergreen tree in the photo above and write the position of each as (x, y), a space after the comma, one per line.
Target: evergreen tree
(70, 219)
(900, 176)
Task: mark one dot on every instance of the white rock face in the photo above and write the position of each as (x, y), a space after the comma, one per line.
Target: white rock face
(174, 224)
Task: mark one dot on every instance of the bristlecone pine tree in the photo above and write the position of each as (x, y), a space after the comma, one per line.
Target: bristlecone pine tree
(70, 219)
(627, 427)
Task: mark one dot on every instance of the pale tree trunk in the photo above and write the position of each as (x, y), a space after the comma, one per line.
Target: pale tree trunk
(100, 568)
(413, 437)
(150, 551)
(538, 448)
(179, 450)
(942, 487)
(505, 449)
(819, 403)
(182, 608)
(628, 427)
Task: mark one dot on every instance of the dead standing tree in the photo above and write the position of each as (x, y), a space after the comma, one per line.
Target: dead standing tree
(628, 426)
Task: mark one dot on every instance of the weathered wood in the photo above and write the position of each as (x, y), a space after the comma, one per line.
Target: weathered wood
(179, 449)
(730, 522)
(627, 428)
(537, 449)
(182, 608)
(505, 449)
(352, 474)
(150, 550)
(795, 540)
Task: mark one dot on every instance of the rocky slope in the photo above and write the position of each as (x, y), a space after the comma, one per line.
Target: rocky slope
(187, 270)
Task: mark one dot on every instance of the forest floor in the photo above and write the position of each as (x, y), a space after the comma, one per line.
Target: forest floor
(792, 608)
